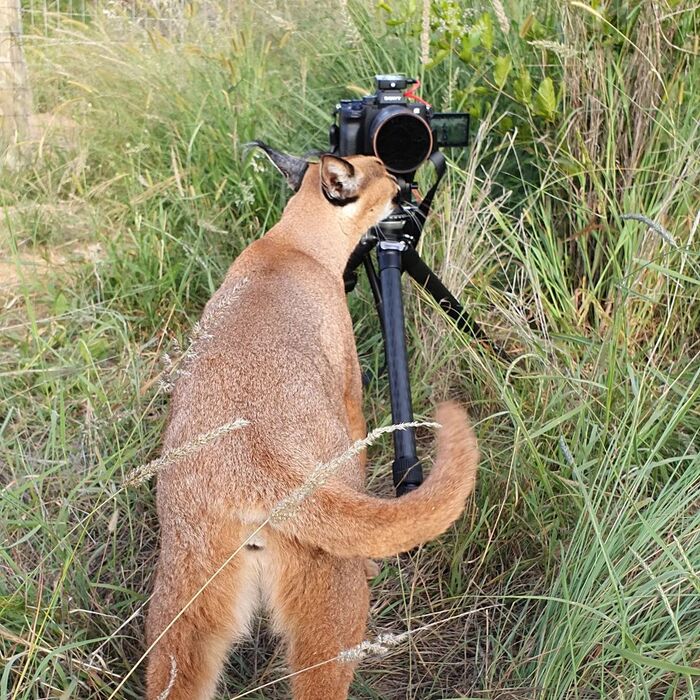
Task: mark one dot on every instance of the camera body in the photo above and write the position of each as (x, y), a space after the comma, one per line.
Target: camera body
(393, 125)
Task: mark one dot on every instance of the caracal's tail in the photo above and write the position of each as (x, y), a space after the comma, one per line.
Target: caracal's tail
(348, 523)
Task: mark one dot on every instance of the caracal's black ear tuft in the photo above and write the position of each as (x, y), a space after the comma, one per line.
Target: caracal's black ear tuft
(339, 180)
(292, 167)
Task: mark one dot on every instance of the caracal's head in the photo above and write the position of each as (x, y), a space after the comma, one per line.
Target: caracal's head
(358, 189)
(355, 192)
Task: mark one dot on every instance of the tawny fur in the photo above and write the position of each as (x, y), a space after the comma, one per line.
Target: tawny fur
(283, 356)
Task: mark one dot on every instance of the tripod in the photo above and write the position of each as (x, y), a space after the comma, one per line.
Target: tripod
(394, 240)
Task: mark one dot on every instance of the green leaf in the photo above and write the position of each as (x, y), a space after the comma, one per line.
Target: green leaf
(506, 123)
(475, 35)
(545, 103)
(501, 70)
(523, 87)
(479, 36)
(487, 31)
(466, 53)
(60, 304)
(648, 661)
(438, 58)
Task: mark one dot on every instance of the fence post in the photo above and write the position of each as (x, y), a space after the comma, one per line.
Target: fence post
(15, 93)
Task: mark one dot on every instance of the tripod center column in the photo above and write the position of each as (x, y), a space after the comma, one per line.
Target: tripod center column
(407, 471)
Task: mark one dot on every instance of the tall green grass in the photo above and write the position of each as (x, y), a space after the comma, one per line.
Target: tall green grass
(575, 571)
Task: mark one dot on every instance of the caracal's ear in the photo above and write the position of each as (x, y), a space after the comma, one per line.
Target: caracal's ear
(339, 180)
(292, 167)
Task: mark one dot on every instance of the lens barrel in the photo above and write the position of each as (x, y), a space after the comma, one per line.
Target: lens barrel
(401, 139)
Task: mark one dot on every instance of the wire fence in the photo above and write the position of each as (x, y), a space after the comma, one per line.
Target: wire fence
(36, 24)
(15, 92)
(50, 21)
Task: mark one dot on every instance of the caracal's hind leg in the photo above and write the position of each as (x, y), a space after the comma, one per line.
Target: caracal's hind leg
(319, 604)
(191, 653)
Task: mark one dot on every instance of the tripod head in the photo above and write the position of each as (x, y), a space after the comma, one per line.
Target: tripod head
(403, 225)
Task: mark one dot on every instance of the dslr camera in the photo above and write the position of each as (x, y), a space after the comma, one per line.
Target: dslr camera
(396, 126)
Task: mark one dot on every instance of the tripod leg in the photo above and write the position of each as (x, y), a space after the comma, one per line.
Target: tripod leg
(357, 257)
(407, 471)
(426, 278)
(375, 286)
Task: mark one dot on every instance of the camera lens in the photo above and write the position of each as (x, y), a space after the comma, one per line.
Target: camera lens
(401, 139)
